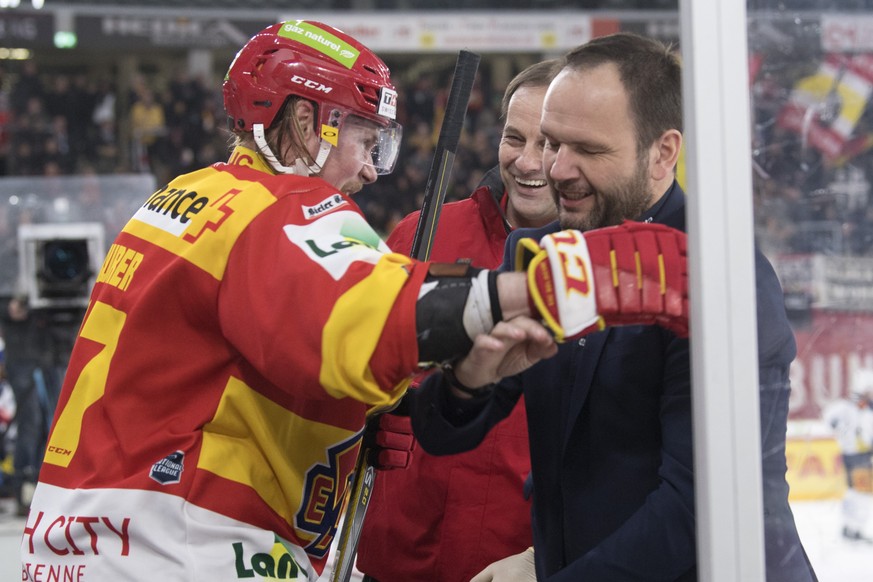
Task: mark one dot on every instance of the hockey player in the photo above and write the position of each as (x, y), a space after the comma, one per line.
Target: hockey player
(852, 422)
(247, 318)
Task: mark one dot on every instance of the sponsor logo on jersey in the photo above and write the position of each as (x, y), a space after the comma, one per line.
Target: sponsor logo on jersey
(187, 214)
(278, 564)
(171, 209)
(323, 497)
(337, 240)
(169, 469)
(95, 534)
(31, 571)
(325, 205)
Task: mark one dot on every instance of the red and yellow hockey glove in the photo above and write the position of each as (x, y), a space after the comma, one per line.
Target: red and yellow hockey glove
(631, 274)
(388, 438)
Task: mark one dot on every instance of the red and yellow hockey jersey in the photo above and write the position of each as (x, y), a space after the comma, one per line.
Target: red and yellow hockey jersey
(241, 326)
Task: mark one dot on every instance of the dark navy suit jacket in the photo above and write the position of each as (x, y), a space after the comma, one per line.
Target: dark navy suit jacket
(609, 420)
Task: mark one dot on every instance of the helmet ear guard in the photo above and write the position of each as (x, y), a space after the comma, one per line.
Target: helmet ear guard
(318, 63)
(300, 168)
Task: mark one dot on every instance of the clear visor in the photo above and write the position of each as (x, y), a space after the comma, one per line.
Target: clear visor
(372, 144)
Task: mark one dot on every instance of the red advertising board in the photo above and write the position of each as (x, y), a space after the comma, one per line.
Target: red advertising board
(830, 347)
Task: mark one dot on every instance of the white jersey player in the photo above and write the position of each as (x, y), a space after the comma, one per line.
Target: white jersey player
(852, 423)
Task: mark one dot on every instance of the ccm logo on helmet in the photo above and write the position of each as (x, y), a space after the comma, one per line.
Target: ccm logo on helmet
(310, 84)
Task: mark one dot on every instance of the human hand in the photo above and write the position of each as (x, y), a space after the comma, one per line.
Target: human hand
(512, 347)
(517, 568)
(388, 439)
(631, 274)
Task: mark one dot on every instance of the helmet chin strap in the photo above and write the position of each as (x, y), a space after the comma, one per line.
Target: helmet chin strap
(299, 168)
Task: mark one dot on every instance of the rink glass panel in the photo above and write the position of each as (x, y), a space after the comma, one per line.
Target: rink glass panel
(811, 80)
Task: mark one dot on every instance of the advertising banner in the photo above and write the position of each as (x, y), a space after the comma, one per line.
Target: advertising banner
(503, 31)
(131, 31)
(815, 469)
(24, 30)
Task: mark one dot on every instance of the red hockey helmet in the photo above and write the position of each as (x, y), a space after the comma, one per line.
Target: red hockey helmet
(319, 63)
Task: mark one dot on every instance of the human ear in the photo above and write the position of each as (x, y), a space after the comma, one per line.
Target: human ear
(664, 154)
(304, 112)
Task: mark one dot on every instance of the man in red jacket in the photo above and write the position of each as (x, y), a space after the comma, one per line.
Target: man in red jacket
(446, 518)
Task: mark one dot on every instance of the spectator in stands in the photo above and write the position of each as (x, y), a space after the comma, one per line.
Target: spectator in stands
(103, 143)
(420, 102)
(28, 86)
(57, 146)
(30, 128)
(149, 129)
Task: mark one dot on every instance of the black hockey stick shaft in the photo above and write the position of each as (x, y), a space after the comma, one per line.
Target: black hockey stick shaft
(434, 196)
(444, 156)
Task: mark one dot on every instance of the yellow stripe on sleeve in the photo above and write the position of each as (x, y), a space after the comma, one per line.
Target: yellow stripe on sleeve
(352, 334)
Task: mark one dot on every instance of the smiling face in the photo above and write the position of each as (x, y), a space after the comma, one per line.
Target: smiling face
(591, 156)
(520, 158)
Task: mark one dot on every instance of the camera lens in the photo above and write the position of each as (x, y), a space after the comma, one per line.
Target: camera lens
(66, 260)
(65, 268)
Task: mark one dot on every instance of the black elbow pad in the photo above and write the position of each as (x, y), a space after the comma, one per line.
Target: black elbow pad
(456, 302)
